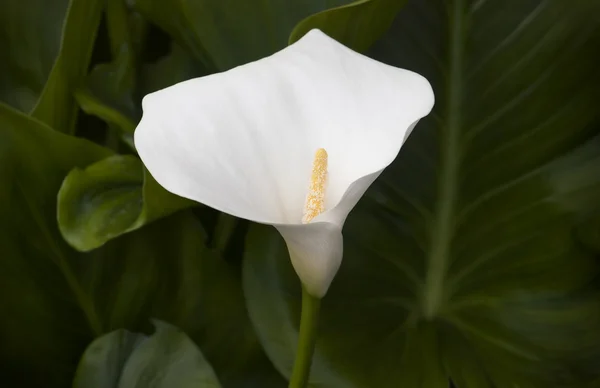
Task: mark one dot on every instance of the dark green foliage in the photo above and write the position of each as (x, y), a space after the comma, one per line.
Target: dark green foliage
(473, 259)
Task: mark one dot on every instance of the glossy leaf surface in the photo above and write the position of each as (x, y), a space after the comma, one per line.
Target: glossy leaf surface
(109, 198)
(167, 358)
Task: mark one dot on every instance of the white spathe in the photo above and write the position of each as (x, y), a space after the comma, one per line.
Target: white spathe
(243, 141)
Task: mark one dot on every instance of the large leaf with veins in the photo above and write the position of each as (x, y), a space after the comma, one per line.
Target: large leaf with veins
(462, 264)
(223, 34)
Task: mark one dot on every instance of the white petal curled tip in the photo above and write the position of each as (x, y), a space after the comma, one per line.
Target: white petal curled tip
(243, 141)
(316, 251)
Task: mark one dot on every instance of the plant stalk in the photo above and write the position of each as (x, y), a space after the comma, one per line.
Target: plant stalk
(307, 339)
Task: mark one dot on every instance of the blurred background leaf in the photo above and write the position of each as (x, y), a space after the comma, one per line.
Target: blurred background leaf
(462, 264)
(588, 232)
(109, 91)
(358, 24)
(46, 46)
(113, 91)
(226, 33)
(177, 66)
(56, 105)
(47, 314)
(166, 271)
(167, 358)
(57, 300)
(30, 40)
(472, 259)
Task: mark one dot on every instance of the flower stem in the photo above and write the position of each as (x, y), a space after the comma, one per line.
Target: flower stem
(306, 341)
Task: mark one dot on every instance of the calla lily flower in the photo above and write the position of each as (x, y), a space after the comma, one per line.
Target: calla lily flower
(292, 140)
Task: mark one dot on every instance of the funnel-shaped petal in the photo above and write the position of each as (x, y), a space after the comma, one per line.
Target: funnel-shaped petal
(243, 141)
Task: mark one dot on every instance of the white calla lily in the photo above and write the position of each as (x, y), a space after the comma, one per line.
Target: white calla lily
(244, 141)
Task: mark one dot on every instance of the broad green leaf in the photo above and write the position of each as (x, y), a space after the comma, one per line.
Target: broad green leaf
(103, 361)
(358, 24)
(55, 300)
(109, 198)
(167, 358)
(28, 53)
(463, 262)
(165, 271)
(223, 34)
(47, 314)
(56, 105)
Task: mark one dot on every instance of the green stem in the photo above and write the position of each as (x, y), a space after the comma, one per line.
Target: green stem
(306, 341)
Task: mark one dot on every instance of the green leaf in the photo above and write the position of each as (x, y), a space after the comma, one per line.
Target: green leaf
(108, 94)
(113, 90)
(118, 195)
(56, 105)
(108, 91)
(164, 270)
(40, 331)
(58, 299)
(358, 24)
(223, 34)
(588, 232)
(167, 358)
(104, 360)
(218, 321)
(109, 198)
(28, 54)
(462, 263)
(175, 67)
